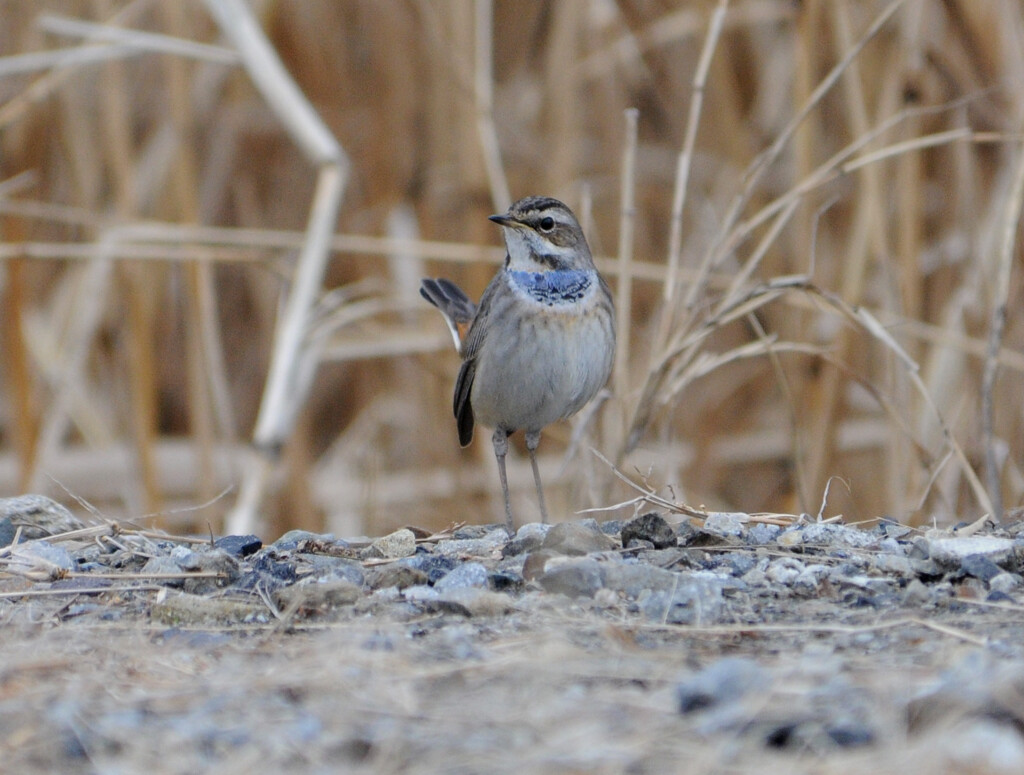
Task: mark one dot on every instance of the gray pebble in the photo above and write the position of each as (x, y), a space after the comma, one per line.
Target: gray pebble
(401, 543)
(980, 567)
(577, 578)
(163, 565)
(761, 533)
(894, 563)
(784, 570)
(951, 552)
(38, 516)
(726, 524)
(1005, 583)
(831, 534)
(469, 547)
(633, 578)
(576, 538)
(469, 574)
(55, 555)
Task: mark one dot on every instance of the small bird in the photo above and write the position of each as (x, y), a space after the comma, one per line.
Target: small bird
(541, 342)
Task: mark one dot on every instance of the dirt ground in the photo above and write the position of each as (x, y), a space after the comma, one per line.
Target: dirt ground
(92, 683)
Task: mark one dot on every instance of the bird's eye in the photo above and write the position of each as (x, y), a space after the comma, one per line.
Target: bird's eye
(547, 224)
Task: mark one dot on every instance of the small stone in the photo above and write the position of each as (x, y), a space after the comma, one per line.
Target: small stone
(293, 538)
(950, 552)
(468, 547)
(470, 574)
(577, 578)
(394, 575)
(784, 570)
(829, 534)
(518, 546)
(789, 538)
(401, 543)
(894, 564)
(536, 563)
(576, 538)
(738, 562)
(1005, 583)
(158, 566)
(761, 533)
(38, 556)
(726, 681)
(505, 581)
(239, 546)
(726, 524)
(434, 565)
(7, 531)
(322, 567)
(980, 567)
(268, 565)
(917, 593)
(927, 569)
(893, 529)
(892, 546)
(650, 527)
(533, 530)
(811, 577)
(318, 596)
(38, 516)
(211, 561)
(633, 578)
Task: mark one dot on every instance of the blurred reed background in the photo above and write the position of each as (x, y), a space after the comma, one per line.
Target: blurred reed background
(812, 238)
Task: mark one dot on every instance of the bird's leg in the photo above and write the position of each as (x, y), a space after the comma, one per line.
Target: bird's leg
(500, 441)
(532, 440)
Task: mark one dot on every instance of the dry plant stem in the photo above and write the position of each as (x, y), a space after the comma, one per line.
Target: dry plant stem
(1011, 223)
(764, 162)
(91, 298)
(624, 296)
(135, 41)
(675, 241)
(483, 92)
(282, 397)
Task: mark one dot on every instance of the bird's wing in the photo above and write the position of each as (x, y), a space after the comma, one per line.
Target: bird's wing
(462, 406)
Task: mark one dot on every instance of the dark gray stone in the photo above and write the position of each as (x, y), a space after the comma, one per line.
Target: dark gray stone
(650, 527)
(7, 531)
(239, 546)
(980, 567)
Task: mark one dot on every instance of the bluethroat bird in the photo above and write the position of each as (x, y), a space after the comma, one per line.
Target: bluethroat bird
(540, 343)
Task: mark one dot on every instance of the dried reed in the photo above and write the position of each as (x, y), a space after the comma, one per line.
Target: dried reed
(816, 227)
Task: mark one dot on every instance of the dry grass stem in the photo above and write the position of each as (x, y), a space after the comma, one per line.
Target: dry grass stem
(810, 219)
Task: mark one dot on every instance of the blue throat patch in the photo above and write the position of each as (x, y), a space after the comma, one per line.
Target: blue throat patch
(551, 288)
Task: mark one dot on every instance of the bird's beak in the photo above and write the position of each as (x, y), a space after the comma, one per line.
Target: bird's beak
(504, 220)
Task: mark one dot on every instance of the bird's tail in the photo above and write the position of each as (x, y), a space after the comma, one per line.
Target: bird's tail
(455, 305)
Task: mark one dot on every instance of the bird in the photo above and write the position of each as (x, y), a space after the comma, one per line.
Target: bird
(541, 342)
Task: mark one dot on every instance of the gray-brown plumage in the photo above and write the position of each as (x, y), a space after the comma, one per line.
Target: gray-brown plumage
(541, 341)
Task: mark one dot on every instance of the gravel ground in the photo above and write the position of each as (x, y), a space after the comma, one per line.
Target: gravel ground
(731, 646)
